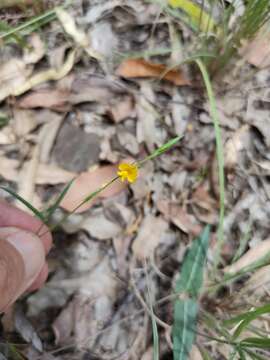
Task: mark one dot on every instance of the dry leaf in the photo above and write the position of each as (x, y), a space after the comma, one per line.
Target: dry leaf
(13, 74)
(24, 122)
(78, 36)
(147, 116)
(258, 283)
(36, 50)
(46, 98)
(195, 353)
(149, 236)
(257, 52)
(27, 180)
(99, 227)
(121, 110)
(235, 145)
(46, 174)
(251, 256)
(140, 68)
(88, 182)
(179, 217)
(52, 175)
(43, 76)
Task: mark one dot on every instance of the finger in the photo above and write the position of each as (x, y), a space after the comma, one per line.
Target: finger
(22, 257)
(41, 278)
(11, 216)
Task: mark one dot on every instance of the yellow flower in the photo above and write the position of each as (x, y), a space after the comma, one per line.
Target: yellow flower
(128, 172)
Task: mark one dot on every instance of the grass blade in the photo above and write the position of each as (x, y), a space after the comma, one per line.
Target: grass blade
(246, 319)
(25, 202)
(220, 159)
(49, 212)
(188, 287)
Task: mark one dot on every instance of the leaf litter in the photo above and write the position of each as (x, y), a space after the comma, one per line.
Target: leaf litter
(76, 108)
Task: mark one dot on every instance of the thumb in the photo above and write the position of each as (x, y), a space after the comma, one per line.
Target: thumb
(22, 257)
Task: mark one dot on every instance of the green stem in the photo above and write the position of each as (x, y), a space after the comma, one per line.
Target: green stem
(220, 159)
(85, 200)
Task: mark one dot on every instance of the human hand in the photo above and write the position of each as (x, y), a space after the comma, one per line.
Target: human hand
(22, 254)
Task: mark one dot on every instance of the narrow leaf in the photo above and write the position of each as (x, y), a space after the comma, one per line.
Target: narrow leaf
(185, 318)
(186, 306)
(247, 318)
(25, 202)
(49, 212)
(191, 276)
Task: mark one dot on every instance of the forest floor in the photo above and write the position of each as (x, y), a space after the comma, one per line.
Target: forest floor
(77, 99)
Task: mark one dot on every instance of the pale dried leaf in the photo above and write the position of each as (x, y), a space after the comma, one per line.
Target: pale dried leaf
(50, 174)
(238, 142)
(36, 50)
(123, 109)
(26, 329)
(257, 52)
(139, 68)
(147, 117)
(77, 35)
(46, 174)
(43, 76)
(24, 122)
(13, 75)
(99, 227)
(250, 257)
(7, 136)
(48, 135)
(195, 354)
(258, 283)
(9, 168)
(149, 236)
(88, 182)
(27, 180)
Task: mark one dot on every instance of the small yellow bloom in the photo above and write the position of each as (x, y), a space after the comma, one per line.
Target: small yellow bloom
(128, 172)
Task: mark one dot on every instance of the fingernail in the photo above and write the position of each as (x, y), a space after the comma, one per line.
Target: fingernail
(28, 247)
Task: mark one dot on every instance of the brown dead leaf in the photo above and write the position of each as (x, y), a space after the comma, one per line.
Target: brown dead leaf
(140, 68)
(149, 236)
(88, 182)
(257, 52)
(121, 110)
(179, 217)
(46, 98)
(252, 255)
(205, 206)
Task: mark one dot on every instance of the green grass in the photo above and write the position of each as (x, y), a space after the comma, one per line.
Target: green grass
(220, 36)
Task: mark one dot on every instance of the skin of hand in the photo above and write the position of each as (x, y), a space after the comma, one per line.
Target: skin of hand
(23, 264)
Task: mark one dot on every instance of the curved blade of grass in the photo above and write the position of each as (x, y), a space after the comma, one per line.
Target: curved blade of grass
(188, 287)
(260, 343)
(25, 202)
(246, 319)
(220, 159)
(49, 212)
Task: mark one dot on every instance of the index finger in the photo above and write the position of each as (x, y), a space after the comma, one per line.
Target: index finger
(12, 216)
